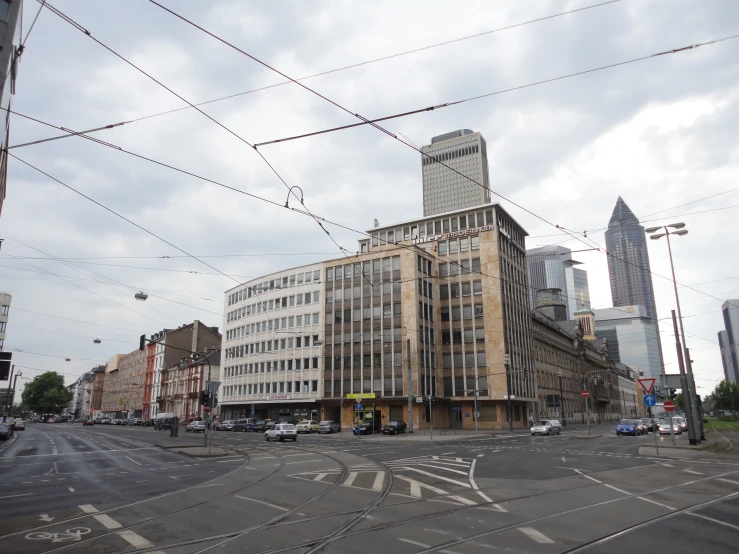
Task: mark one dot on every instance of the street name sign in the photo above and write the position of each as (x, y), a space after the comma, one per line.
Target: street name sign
(647, 385)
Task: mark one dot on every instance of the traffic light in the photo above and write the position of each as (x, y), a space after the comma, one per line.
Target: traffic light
(5, 363)
(215, 401)
(204, 397)
(673, 394)
(142, 342)
(433, 401)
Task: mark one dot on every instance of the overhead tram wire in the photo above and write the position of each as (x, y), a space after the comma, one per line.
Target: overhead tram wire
(91, 337)
(87, 271)
(365, 121)
(109, 285)
(325, 220)
(16, 308)
(351, 66)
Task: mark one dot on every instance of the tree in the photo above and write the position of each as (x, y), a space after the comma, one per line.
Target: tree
(46, 394)
(721, 397)
(679, 401)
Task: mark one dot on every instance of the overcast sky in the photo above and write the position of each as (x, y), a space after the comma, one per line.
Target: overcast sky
(660, 133)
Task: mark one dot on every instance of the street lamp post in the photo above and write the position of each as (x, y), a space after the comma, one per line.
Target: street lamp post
(693, 415)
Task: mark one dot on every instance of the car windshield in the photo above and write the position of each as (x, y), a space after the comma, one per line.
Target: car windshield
(625, 422)
(326, 423)
(4, 426)
(544, 422)
(392, 423)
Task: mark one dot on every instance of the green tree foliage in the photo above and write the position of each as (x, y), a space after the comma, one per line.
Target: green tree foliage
(720, 398)
(46, 394)
(679, 401)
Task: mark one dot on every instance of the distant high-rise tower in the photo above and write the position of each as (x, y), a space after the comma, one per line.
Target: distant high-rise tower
(445, 190)
(553, 267)
(628, 265)
(729, 340)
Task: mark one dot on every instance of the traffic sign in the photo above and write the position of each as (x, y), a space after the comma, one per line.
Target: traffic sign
(419, 399)
(358, 407)
(647, 385)
(585, 394)
(207, 409)
(669, 406)
(650, 400)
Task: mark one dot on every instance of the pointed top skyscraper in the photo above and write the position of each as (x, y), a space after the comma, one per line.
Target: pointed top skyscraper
(629, 271)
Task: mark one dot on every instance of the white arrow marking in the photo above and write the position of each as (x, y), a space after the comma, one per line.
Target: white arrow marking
(45, 517)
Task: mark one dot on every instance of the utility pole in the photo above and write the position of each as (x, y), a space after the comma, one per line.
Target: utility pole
(7, 397)
(508, 390)
(476, 412)
(561, 400)
(410, 388)
(684, 384)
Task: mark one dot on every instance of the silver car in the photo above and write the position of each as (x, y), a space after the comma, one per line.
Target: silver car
(546, 427)
(329, 427)
(281, 431)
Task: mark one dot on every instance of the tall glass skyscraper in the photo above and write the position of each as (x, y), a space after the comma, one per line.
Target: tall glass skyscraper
(628, 265)
(552, 267)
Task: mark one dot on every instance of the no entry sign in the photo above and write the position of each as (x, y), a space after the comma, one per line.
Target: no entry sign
(669, 406)
(585, 394)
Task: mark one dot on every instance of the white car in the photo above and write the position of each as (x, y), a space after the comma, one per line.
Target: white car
(308, 426)
(546, 427)
(282, 431)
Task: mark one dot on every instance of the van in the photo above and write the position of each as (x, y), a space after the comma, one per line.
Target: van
(164, 421)
(243, 425)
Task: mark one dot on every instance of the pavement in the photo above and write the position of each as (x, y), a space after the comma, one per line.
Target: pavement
(111, 489)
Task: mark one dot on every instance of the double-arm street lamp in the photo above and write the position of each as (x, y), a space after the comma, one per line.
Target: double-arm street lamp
(693, 415)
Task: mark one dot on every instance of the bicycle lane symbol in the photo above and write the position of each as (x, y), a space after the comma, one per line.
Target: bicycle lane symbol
(73, 534)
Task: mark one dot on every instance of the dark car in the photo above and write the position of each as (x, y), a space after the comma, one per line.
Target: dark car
(653, 426)
(394, 428)
(263, 425)
(89, 422)
(6, 431)
(243, 425)
(369, 427)
(627, 427)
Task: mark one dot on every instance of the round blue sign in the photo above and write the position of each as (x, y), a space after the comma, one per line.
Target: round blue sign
(650, 400)
(358, 407)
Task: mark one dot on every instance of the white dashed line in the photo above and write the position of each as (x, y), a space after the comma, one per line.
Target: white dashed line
(88, 508)
(655, 502)
(736, 527)
(693, 472)
(135, 462)
(276, 507)
(536, 535)
(107, 521)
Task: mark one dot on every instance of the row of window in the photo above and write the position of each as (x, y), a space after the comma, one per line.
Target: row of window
(3, 324)
(425, 288)
(275, 304)
(462, 268)
(365, 268)
(376, 360)
(462, 244)
(386, 311)
(453, 290)
(272, 284)
(4, 309)
(338, 388)
(425, 311)
(365, 291)
(272, 388)
(431, 228)
(469, 359)
(271, 366)
(385, 335)
(271, 346)
(469, 336)
(273, 325)
(463, 313)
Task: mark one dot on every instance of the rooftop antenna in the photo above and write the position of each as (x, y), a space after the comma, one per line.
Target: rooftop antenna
(376, 223)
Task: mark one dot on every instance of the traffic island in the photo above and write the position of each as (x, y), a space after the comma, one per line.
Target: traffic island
(711, 445)
(195, 450)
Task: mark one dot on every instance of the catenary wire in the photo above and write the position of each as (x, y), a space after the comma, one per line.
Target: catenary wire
(23, 351)
(72, 334)
(358, 64)
(16, 308)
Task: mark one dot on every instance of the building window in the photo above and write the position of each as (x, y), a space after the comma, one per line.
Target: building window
(4, 310)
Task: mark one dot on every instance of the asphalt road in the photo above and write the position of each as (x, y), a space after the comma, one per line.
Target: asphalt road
(109, 489)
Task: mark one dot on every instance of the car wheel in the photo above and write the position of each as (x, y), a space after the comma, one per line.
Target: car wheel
(280, 439)
(295, 438)
(559, 431)
(266, 437)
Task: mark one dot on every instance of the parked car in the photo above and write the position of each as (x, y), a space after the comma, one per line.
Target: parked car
(20, 425)
(164, 421)
(307, 426)
(369, 427)
(262, 425)
(6, 431)
(227, 425)
(281, 431)
(199, 426)
(136, 421)
(664, 427)
(148, 423)
(244, 424)
(394, 428)
(652, 425)
(124, 422)
(329, 427)
(643, 429)
(89, 422)
(104, 421)
(627, 427)
(546, 427)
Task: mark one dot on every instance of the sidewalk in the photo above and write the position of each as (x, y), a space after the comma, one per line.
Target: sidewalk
(714, 443)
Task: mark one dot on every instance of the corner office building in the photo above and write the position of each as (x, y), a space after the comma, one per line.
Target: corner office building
(453, 286)
(445, 190)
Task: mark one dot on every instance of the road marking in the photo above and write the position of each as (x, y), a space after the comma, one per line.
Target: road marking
(88, 508)
(655, 502)
(71, 489)
(302, 462)
(211, 485)
(617, 489)
(135, 462)
(536, 535)
(226, 461)
(667, 465)
(729, 481)
(563, 459)
(350, 480)
(108, 521)
(715, 520)
(135, 540)
(262, 502)
(464, 500)
(429, 474)
(448, 453)
(474, 483)
(379, 481)
(591, 478)
(320, 476)
(143, 481)
(17, 495)
(416, 486)
(693, 472)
